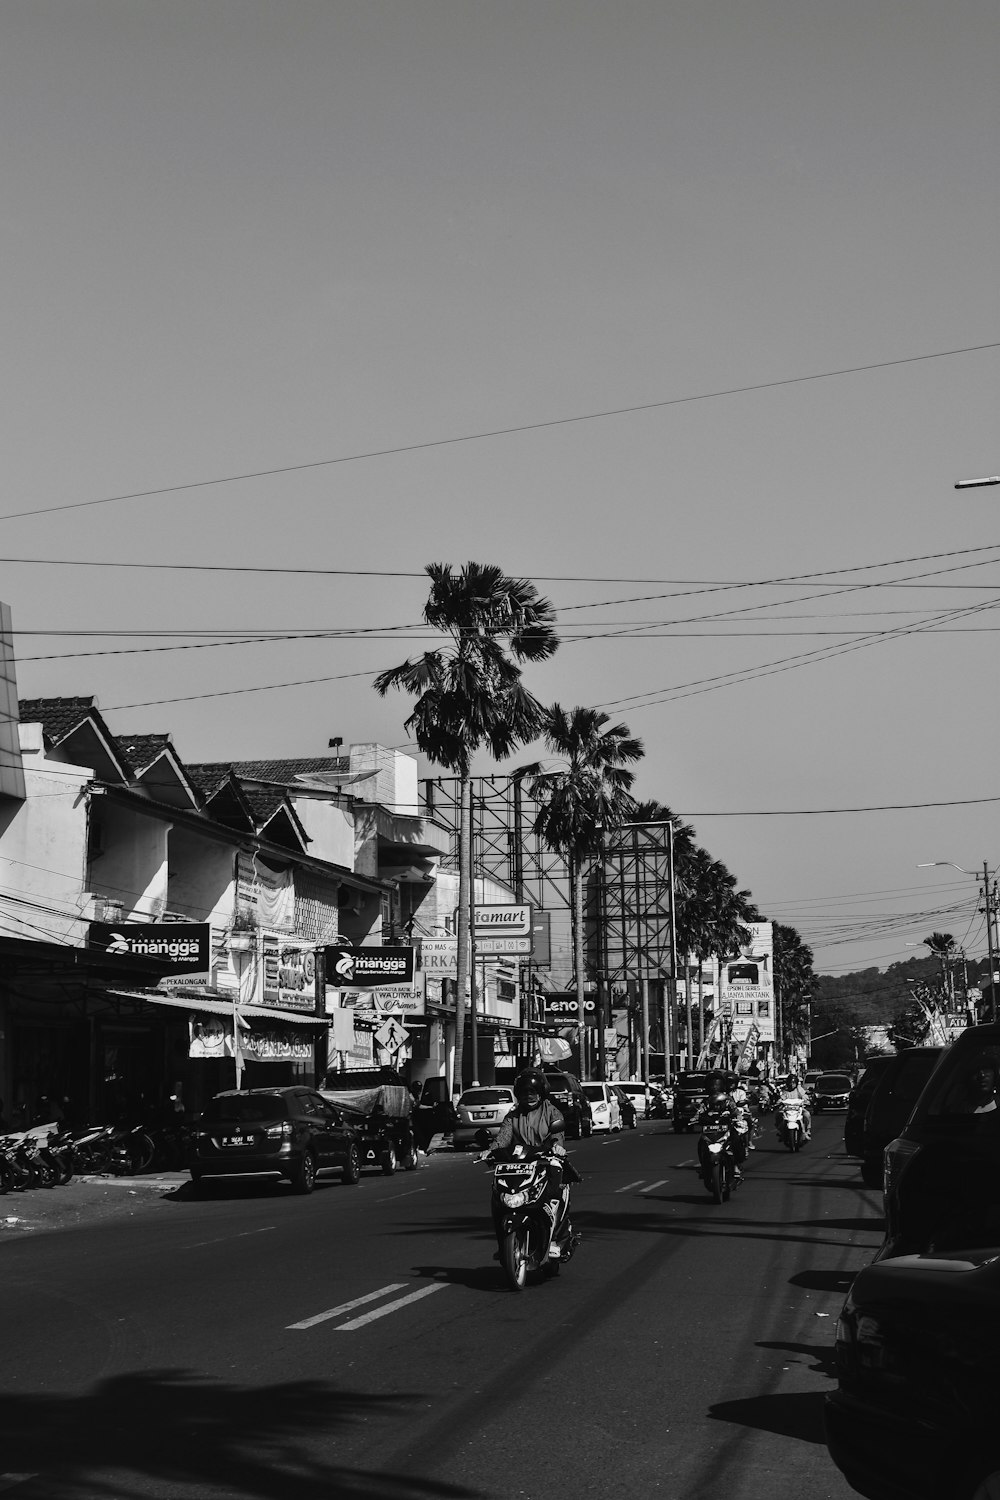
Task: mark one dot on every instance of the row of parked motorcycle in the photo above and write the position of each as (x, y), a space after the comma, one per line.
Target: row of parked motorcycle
(49, 1155)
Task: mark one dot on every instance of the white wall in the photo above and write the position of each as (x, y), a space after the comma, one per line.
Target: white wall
(43, 849)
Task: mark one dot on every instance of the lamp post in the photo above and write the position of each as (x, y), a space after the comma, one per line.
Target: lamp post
(989, 895)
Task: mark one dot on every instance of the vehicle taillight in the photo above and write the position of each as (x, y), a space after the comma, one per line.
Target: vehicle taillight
(282, 1132)
(897, 1157)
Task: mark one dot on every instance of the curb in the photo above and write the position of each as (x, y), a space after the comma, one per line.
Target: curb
(153, 1180)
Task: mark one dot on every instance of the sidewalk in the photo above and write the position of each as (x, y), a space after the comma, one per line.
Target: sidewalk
(82, 1201)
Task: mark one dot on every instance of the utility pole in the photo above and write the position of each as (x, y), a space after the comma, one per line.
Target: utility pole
(990, 908)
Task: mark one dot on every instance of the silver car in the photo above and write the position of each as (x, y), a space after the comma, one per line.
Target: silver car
(481, 1108)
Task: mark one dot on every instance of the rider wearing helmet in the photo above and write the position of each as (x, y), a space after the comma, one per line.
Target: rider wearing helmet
(536, 1124)
(720, 1106)
(791, 1087)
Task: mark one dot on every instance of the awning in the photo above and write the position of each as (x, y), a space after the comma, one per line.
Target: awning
(223, 1008)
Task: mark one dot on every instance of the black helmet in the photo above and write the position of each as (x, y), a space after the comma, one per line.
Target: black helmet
(716, 1084)
(531, 1081)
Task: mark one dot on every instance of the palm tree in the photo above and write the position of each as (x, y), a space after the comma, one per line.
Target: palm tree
(943, 946)
(469, 694)
(795, 984)
(578, 802)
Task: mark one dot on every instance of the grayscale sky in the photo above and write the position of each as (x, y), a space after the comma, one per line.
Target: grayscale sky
(565, 286)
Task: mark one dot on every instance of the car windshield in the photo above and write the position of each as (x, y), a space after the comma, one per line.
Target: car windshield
(487, 1096)
(559, 1083)
(834, 1083)
(245, 1109)
(632, 1088)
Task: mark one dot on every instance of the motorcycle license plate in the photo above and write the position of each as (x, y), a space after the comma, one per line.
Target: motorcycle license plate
(237, 1140)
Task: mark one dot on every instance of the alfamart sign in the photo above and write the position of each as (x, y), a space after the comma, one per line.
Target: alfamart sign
(178, 947)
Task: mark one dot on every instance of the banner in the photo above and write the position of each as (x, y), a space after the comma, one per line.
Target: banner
(210, 1037)
(178, 947)
(369, 968)
(267, 892)
(746, 985)
(288, 978)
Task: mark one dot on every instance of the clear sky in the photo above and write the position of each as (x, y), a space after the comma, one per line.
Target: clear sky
(347, 240)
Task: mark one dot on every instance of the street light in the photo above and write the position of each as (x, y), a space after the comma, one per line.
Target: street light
(975, 484)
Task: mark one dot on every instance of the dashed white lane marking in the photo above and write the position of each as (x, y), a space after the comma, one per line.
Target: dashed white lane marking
(380, 1312)
(654, 1185)
(392, 1198)
(334, 1312)
(224, 1238)
(629, 1186)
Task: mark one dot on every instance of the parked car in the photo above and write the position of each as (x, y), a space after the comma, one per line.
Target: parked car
(481, 1109)
(567, 1091)
(858, 1102)
(890, 1106)
(831, 1091)
(605, 1111)
(914, 1412)
(379, 1106)
(942, 1172)
(641, 1096)
(626, 1104)
(809, 1081)
(284, 1133)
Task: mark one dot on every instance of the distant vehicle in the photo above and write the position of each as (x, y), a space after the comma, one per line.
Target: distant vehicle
(831, 1091)
(690, 1093)
(641, 1096)
(605, 1111)
(858, 1102)
(626, 1103)
(281, 1133)
(809, 1082)
(377, 1103)
(566, 1091)
(481, 1109)
(891, 1104)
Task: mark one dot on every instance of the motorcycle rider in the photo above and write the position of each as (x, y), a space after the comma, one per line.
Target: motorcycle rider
(536, 1124)
(721, 1106)
(791, 1088)
(740, 1096)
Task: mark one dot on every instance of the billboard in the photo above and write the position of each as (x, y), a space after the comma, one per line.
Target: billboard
(746, 986)
(178, 947)
(369, 968)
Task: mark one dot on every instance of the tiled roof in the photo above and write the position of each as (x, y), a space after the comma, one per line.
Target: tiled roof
(140, 750)
(57, 716)
(207, 778)
(264, 804)
(284, 772)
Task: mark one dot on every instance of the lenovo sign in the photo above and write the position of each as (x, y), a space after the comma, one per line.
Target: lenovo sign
(177, 947)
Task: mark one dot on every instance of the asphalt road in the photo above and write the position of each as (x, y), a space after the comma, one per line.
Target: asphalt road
(361, 1341)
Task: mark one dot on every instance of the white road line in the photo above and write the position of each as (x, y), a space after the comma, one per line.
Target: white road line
(629, 1186)
(226, 1237)
(380, 1312)
(654, 1185)
(334, 1312)
(394, 1196)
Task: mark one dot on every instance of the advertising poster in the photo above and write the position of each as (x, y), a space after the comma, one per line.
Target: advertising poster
(369, 968)
(288, 978)
(746, 986)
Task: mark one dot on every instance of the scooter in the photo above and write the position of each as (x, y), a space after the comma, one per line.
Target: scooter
(717, 1159)
(534, 1230)
(789, 1122)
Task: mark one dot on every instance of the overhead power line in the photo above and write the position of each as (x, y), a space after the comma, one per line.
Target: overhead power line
(475, 437)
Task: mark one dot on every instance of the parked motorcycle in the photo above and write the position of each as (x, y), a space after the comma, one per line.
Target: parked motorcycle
(716, 1156)
(534, 1228)
(789, 1122)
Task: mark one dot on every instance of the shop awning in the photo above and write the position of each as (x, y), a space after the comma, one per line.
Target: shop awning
(219, 1007)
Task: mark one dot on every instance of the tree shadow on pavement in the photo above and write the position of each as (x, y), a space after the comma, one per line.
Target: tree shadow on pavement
(797, 1415)
(484, 1278)
(174, 1433)
(824, 1281)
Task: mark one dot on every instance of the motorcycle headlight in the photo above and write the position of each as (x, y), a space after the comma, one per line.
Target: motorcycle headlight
(514, 1200)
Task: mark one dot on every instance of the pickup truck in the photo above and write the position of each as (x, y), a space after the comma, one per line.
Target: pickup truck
(379, 1106)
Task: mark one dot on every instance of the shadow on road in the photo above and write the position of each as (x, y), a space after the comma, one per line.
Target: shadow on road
(824, 1281)
(155, 1432)
(823, 1354)
(799, 1415)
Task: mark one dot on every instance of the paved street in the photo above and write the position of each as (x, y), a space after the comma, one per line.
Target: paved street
(361, 1342)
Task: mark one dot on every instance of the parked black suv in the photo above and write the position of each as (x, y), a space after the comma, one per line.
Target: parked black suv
(889, 1107)
(942, 1172)
(567, 1091)
(857, 1103)
(290, 1133)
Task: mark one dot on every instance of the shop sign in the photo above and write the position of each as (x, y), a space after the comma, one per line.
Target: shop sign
(280, 1044)
(178, 947)
(369, 968)
(511, 920)
(489, 944)
(288, 978)
(210, 1037)
(567, 1009)
(439, 957)
(746, 985)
